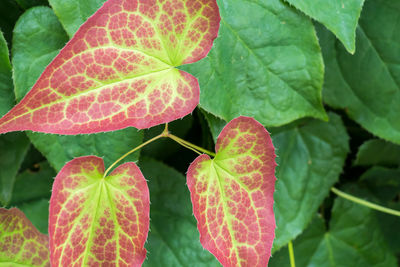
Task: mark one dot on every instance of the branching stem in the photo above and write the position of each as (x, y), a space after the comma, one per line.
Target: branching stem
(364, 202)
(165, 133)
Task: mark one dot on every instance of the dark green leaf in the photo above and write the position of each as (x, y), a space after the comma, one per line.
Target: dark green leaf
(73, 13)
(173, 237)
(378, 152)
(32, 185)
(13, 147)
(6, 86)
(9, 13)
(37, 212)
(340, 17)
(40, 26)
(354, 239)
(266, 63)
(310, 158)
(25, 4)
(367, 84)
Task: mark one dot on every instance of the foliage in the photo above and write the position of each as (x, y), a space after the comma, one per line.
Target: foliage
(321, 76)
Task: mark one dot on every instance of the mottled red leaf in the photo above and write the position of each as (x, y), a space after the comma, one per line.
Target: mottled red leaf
(119, 69)
(96, 221)
(232, 195)
(20, 242)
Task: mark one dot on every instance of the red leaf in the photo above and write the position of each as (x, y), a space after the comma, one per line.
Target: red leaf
(232, 195)
(20, 242)
(119, 69)
(96, 221)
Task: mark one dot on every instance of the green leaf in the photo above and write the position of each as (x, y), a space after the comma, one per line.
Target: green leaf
(25, 4)
(354, 239)
(173, 238)
(310, 158)
(378, 152)
(9, 13)
(39, 25)
(37, 211)
(21, 244)
(268, 67)
(39, 183)
(6, 92)
(13, 147)
(35, 201)
(73, 13)
(99, 220)
(340, 17)
(367, 84)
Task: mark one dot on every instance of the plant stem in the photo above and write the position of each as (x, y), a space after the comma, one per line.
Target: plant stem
(190, 145)
(364, 202)
(163, 134)
(291, 254)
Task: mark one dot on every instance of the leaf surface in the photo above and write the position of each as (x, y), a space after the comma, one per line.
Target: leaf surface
(72, 14)
(173, 237)
(378, 152)
(13, 146)
(119, 70)
(268, 67)
(310, 159)
(367, 84)
(40, 26)
(232, 195)
(21, 244)
(6, 93)
(354, 239)
(100, 221)
(340, 17)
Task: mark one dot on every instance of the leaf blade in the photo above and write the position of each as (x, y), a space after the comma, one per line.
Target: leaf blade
(216, 185)
(99, 220)
(94, 83)
(20, 242)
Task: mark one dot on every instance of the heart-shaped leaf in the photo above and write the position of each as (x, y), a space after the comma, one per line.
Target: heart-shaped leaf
(21, 244)
(96, 221)
(232, 195)
(119, 70)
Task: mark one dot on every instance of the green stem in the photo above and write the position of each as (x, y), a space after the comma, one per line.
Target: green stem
(291, 254)
(163, 134)
(190, 145)
(364, 202)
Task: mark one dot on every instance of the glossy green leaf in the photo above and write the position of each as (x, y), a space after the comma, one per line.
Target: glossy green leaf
(354, 239)
(6, 92)
(21, 244)
(340, 17)
(40, 26)
(173, 238)
(310, 158)
(266, 63)
(73, 13)
(378, 152)
(367, 84)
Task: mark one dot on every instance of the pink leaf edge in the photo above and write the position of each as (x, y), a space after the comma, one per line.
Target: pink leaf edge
(245, 240)
(107, 77)
(119, 242)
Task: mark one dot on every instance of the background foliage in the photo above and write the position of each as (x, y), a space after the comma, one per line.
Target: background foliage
(323, 78)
